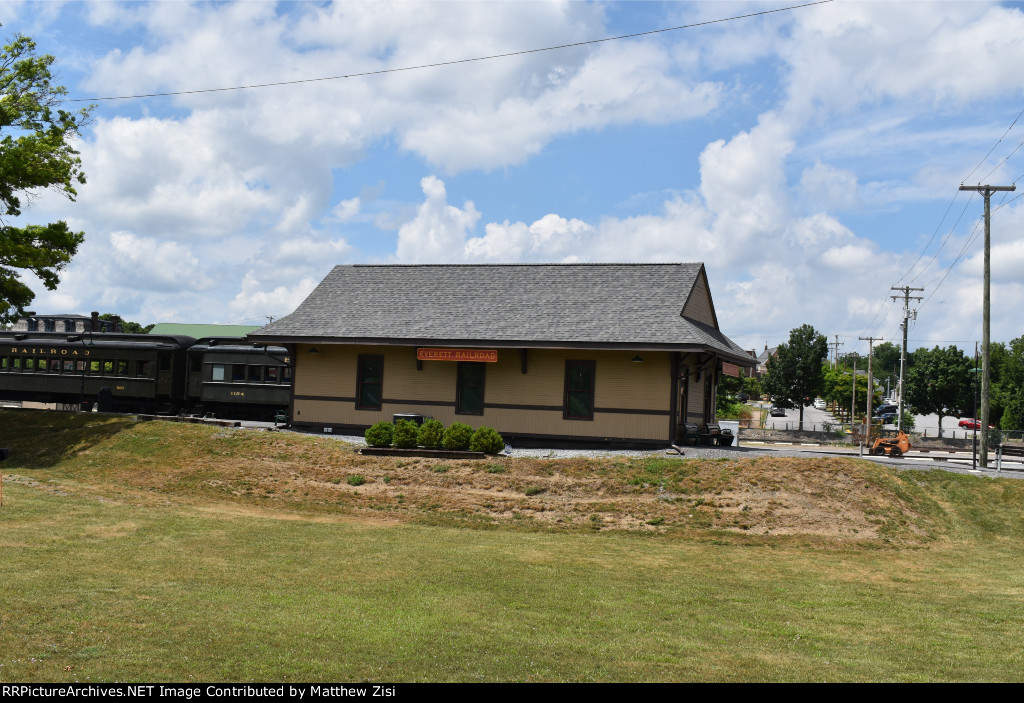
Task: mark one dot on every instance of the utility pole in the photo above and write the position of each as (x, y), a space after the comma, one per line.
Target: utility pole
(835, 351)
(853, 399)
(871, 384)
(974, 398)
(986, 366)
(907, 314)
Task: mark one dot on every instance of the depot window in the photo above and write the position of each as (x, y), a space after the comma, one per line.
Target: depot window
(369, 382)
(579, 390)
(469, 388)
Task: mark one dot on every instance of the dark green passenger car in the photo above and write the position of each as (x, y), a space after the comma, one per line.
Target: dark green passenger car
(121, 372)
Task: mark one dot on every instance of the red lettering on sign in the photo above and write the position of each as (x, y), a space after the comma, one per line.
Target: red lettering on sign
(430, 354)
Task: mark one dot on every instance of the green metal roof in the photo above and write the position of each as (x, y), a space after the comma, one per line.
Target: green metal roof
(200, 331)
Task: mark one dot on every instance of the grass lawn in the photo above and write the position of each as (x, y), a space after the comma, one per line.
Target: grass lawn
(172, 578)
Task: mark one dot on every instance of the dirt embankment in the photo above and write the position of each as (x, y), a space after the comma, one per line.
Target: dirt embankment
(283, 473)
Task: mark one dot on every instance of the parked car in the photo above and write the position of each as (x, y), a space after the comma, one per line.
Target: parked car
(888, 417)
(742, 397)
(969, 423)
(819, 404)
(776, 411)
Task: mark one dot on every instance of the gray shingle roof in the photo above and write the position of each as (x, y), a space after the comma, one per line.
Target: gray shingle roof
(623, 305)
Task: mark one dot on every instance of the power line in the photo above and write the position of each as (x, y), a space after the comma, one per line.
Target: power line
(945, 239)
(871, 324)
(932, 238)
(998, 142)
(945, 341)
(973, 237)
(453, 62)
(955, 196)
(942, 277)
(1005, 159)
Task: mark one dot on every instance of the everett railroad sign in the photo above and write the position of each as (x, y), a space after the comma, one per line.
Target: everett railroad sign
(429, 354)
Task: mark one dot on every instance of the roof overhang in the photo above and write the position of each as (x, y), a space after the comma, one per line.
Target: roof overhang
(740, 359)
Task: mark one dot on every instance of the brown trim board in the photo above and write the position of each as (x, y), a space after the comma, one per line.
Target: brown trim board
(495, 406)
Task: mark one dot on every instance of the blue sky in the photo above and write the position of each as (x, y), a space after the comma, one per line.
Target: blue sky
(806, 156)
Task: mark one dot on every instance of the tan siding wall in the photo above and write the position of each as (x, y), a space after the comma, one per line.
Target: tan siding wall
(619, 384)
(698, 306)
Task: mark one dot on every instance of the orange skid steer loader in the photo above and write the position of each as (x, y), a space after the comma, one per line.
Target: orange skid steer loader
(893, 443)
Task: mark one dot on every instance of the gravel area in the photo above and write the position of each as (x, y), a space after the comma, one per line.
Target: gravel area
(690, 452)
(542, 453)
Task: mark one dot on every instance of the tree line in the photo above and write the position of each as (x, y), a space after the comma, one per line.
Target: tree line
(943, 381)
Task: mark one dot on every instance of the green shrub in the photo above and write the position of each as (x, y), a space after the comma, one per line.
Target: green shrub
(533, 490)
(380, 434)
(356, 480)
(406, 433)
(486, 440)
(430, 435)
(457, 437)
(908, 421)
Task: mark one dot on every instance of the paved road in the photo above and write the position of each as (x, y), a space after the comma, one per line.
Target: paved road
(959, 462)
(791, 421)
(928, 424)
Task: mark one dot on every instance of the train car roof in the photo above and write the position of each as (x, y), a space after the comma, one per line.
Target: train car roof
(236, 344)
(98, 339)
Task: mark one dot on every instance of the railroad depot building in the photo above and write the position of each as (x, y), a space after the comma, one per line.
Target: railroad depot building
(619, 353)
